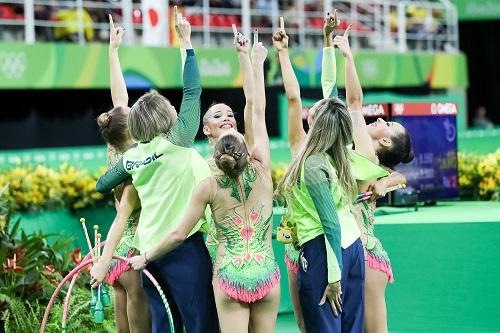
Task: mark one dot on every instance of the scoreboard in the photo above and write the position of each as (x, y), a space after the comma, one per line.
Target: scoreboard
(434, 171)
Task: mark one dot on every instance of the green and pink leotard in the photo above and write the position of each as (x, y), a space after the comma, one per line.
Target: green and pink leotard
(376, 256)
(245, 268)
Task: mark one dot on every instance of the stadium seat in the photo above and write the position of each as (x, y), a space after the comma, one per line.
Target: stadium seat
(7, 12)
(196, 20)
(233, 19)
(316, 22)
(218, 21)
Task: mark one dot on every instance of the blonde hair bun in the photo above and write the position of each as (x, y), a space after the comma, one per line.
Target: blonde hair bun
(227, 162)
(103, 120)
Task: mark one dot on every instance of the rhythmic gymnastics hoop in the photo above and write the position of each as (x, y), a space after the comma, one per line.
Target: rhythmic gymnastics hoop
(74, 275)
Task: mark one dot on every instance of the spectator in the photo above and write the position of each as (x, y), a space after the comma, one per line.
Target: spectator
(43, 13)
(263, 6)
(480, 119)
(222, 3)
(70, 31)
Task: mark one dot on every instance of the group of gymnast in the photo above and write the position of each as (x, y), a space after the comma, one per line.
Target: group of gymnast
(203, 228)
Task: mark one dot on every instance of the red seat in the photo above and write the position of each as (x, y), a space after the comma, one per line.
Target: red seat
(356, 26)
(233, 19)
(218, 20)
(343, 24)
(213, 20)
(315, 22)
(196, 20)
(7, 12)
(318, 22)
(222, 20)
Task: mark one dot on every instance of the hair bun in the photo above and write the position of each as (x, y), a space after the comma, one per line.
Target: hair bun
(227, 161)
(104, 119)
(409, 157)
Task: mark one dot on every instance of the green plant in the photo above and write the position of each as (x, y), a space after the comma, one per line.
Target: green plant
(30, 267)
(22, 317)
(479, 176)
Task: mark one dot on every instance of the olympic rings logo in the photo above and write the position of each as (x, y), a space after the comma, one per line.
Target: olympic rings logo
(13, 64)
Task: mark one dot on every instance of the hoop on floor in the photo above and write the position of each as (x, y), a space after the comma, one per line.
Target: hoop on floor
(74, 275)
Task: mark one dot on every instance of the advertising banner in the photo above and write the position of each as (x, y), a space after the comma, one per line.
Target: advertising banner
(72, 66)
(475, 10)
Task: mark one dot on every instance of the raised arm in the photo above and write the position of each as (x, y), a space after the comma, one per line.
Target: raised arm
(242, 46)
(296, 133)
(354, 94)
(119, 94)
(128, 203)
(113, 177)
(261, 150)
(316, 176)
(199, 201)
(328, 64)
(183, 132)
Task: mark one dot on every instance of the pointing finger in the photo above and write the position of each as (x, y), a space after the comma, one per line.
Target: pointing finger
(111, 23)
(235, 31)
(176, 13)
(256, 36)
(282, 24)
(346, 33)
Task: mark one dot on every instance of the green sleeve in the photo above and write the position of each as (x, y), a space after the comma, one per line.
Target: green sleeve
(184, 130)
(329, 73)
(112, 178)
(317, 180)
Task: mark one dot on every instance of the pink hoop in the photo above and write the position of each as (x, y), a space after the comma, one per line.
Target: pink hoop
(74, 274)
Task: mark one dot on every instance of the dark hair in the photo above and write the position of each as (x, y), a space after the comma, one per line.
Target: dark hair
(113, 127)
(231, 155)
(399, 152)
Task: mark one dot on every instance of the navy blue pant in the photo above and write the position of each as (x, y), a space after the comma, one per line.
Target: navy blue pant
(313, 281)
(185, 275)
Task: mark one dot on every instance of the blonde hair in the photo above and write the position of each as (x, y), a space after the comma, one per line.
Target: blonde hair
(330, 133)
(151, 116)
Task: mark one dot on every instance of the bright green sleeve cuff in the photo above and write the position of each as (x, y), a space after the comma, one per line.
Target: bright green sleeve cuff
(334, 273)
(328, 72)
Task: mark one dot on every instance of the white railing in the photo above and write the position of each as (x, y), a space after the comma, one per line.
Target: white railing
(382, 25)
